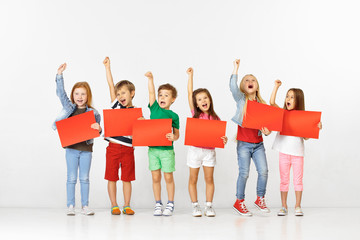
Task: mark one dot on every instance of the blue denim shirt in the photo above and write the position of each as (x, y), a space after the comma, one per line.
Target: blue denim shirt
(68, 106)
(239, 98)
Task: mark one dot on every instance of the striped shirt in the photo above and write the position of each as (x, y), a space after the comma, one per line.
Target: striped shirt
(123, 140)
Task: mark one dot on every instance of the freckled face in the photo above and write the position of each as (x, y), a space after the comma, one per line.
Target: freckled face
(203, 102)
(80, 97)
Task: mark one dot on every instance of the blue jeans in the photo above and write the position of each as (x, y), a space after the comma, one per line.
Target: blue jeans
(77, 160)
(245, 152)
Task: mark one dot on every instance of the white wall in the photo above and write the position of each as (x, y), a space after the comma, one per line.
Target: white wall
(313, 45)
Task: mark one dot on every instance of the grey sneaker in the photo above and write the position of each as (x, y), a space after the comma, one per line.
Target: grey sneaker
(168, 211)
(87, 211)
(71, 211)
(282, 212)
(158, 209)
(298, 212)
(209, 210)
(196, 212)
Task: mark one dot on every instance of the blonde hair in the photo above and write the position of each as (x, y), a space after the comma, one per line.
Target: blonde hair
(258, 96)
(130, 86)
(86, 86)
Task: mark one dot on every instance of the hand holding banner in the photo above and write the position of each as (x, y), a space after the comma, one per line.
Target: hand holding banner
(301, 124)
(151, 132)
(260, 115)
(77, 129)
(204, 133)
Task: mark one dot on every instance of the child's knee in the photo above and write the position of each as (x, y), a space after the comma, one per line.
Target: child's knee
(193, 179)
(209, 179)
(168, 177)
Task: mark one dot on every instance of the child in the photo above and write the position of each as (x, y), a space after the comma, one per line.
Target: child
(163, 157)
(250, 142)
(198, 156)
(291, 151)
(78, 156)
(120, 152)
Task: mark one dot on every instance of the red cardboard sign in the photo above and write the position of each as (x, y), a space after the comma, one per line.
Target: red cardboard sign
(301, 124)
(204, 133)
(77, 129)
(151, 132)
(119, 122)
(260, 115)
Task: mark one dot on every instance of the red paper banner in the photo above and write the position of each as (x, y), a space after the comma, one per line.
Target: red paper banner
(301, 124)
(119, 122)
(204, 133)
(77, 129)
(260, 115)
(151, 132)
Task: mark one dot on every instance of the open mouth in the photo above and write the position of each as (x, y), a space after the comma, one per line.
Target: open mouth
(122, 102)
(288, 104)
(204, 105)
(162, 103)
(250, 86)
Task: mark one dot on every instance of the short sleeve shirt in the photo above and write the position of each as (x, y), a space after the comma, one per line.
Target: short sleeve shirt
(156, 112)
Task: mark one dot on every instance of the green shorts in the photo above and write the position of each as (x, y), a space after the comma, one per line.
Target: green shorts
(161, 159)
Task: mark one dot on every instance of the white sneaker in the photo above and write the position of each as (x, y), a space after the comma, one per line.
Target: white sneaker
(196, 212)
(158, 209)
(209, 211)
(168, 211)
(282, 212)
(71, 211)
(298, 212)
(87, 211)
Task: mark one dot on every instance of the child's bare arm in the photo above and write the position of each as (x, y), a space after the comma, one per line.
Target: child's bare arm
(274, 92)
(109, 78)
(152, 95)
(190, 73)
(173, 136)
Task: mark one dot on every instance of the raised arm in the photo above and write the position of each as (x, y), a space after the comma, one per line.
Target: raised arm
(190, 73)
(152, 95)
(234, 88)
(60, 90)
(274, 92)
(109, 78)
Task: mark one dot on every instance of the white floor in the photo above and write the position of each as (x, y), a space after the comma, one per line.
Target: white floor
(318, 223)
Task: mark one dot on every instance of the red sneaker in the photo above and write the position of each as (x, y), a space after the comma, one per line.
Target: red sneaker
(240, 207)
(261, 205)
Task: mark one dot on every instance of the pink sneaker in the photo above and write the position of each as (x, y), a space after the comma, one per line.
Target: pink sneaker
(240, 207)
(261, 205)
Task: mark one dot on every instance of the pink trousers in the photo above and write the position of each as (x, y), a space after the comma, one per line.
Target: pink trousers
(285, 163)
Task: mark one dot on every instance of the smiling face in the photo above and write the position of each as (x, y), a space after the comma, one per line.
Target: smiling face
(80, 97)
(124, 96)
(290, 102)
(203, 102)
(165, 98)
(249, 85)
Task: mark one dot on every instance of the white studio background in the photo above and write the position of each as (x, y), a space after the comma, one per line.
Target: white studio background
(313, 45)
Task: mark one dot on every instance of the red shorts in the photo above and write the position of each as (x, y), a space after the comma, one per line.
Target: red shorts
(119, 156)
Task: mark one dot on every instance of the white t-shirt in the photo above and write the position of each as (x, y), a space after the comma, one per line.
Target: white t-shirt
(289, 145)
